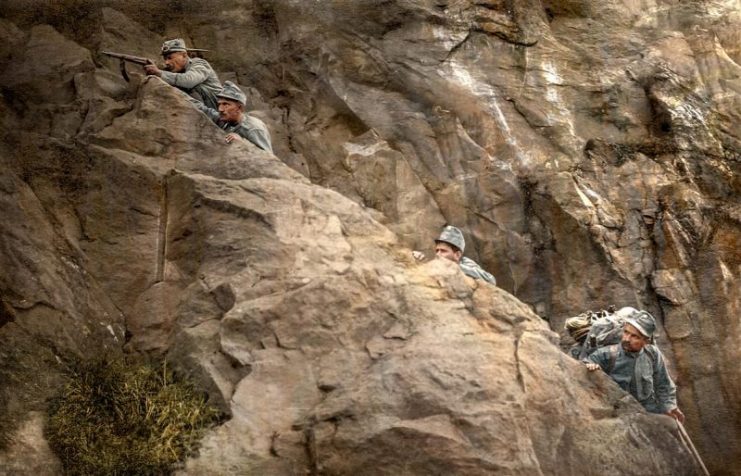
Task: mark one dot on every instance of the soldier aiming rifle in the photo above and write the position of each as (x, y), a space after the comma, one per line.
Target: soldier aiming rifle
(194, 76)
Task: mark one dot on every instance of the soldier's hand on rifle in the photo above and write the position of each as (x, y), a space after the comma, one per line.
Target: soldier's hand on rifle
(591, 366)
(677, 414)
(152, 70)
(231, 137)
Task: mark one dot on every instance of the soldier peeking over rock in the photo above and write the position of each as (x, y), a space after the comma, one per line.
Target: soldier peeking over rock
(231, 117)
(450, 245)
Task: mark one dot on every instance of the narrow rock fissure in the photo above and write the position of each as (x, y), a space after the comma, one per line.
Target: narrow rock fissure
(456, 47)
(310, 443)
(520, 378)
(162, 234)
(7, 313)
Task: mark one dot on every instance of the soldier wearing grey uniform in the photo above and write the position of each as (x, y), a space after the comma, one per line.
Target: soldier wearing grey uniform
(474, 270)
(638, 366)
(450, 245)
(194, 76)
(230, 117)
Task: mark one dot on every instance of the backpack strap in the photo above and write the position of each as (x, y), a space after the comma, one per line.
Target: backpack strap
(613, 350)
(652, 351)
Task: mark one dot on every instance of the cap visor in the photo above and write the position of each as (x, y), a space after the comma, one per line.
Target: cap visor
(637, 326)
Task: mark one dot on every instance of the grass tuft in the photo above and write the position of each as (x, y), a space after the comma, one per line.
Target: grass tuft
(125, 417)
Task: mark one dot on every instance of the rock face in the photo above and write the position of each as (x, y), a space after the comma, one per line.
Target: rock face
(590, 151)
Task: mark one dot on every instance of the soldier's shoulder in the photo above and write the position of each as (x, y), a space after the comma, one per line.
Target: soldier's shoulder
(251, 122)
(468, 262)
(653, 351)
(200, 62)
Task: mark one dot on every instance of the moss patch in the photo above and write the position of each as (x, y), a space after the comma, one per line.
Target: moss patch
(28, 373)
(121, 417)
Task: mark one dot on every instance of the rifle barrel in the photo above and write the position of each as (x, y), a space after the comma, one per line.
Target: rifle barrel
(130, 58)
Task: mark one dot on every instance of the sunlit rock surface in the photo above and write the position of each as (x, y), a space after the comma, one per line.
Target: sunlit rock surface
(590, 151)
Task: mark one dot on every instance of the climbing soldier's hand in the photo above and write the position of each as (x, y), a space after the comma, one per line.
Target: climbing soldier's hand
(231, 137)
(418, 255)
(677, 414)
(591, 366)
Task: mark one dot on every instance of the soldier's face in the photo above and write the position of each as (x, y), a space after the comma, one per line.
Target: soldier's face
(230, 111)
(633, 340)
(176, 61)
(444, 250)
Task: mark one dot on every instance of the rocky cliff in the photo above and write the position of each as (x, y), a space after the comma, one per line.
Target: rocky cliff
(589, 149)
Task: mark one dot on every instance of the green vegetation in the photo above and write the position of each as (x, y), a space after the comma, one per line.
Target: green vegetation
(124, 417)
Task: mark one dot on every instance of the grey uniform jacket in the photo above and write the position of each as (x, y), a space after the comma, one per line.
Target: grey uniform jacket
(198, 80)
(251, 128)
(472, 269)
(642, 374)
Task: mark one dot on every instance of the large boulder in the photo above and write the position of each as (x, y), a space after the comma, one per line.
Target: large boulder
(588, 149)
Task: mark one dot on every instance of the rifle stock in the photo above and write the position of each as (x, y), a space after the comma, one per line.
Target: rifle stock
(140, 60)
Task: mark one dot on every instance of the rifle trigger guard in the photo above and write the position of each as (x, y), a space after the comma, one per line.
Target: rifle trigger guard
(125, 75)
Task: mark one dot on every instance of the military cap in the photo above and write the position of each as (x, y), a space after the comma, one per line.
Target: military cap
(452, 236)
(176, 44)
(232, 93)
(643, 321)
(626, 311)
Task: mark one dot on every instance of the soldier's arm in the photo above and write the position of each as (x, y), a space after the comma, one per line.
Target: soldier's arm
(212, 114)
(488, 277)
(666, 391)
(474, 270)
(196, 74)
(600, 358)
(258, 137)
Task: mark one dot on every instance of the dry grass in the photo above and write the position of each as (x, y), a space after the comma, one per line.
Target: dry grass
(122, 417)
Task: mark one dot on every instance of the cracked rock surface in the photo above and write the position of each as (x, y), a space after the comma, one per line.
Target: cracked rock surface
(589, 149)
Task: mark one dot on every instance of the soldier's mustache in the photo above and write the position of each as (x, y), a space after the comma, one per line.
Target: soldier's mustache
(168, 67)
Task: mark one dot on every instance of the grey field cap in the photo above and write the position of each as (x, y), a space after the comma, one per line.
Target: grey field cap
(452, 236)
(174, 45)
(233, 93)
(643, 321)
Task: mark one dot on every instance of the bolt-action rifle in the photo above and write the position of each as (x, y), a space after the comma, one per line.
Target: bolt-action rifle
(140, 60)
(691, 447)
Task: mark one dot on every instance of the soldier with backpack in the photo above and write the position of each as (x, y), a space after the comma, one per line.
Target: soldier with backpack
(592, 330)
(638, 366)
